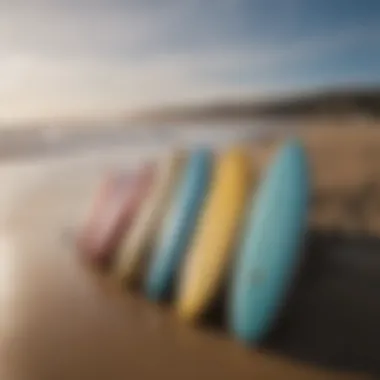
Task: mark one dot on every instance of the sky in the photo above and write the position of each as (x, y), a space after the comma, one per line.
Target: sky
(93, 58)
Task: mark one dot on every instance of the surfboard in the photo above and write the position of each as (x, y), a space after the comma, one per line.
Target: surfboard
(209, 254)
(115, 207)
(270, 250)
(139, 239)
(179, 224)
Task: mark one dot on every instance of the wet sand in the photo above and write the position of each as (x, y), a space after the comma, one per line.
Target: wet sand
(59, 319)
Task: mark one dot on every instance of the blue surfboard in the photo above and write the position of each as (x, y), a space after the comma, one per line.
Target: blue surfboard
(179, 224)
(267, 259)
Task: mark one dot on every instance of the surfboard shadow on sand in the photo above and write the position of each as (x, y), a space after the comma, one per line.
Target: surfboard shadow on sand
(331, 317)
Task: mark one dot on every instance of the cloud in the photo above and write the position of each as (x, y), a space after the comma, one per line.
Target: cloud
(48, 87)
(91, 58)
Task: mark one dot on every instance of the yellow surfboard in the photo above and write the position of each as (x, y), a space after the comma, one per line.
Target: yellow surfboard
(138, 240)
(209, 253)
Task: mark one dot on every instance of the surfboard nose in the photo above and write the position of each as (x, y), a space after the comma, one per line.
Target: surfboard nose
(293, 158)
(293, 148)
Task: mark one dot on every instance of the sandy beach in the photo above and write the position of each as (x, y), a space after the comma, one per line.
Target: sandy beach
(59, 319)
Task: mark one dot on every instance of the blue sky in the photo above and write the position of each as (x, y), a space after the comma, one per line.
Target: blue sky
(62, 58)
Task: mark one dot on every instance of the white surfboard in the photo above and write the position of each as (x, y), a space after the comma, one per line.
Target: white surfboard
(140, 237)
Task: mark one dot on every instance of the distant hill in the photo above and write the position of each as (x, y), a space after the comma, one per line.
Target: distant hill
(326, 103)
